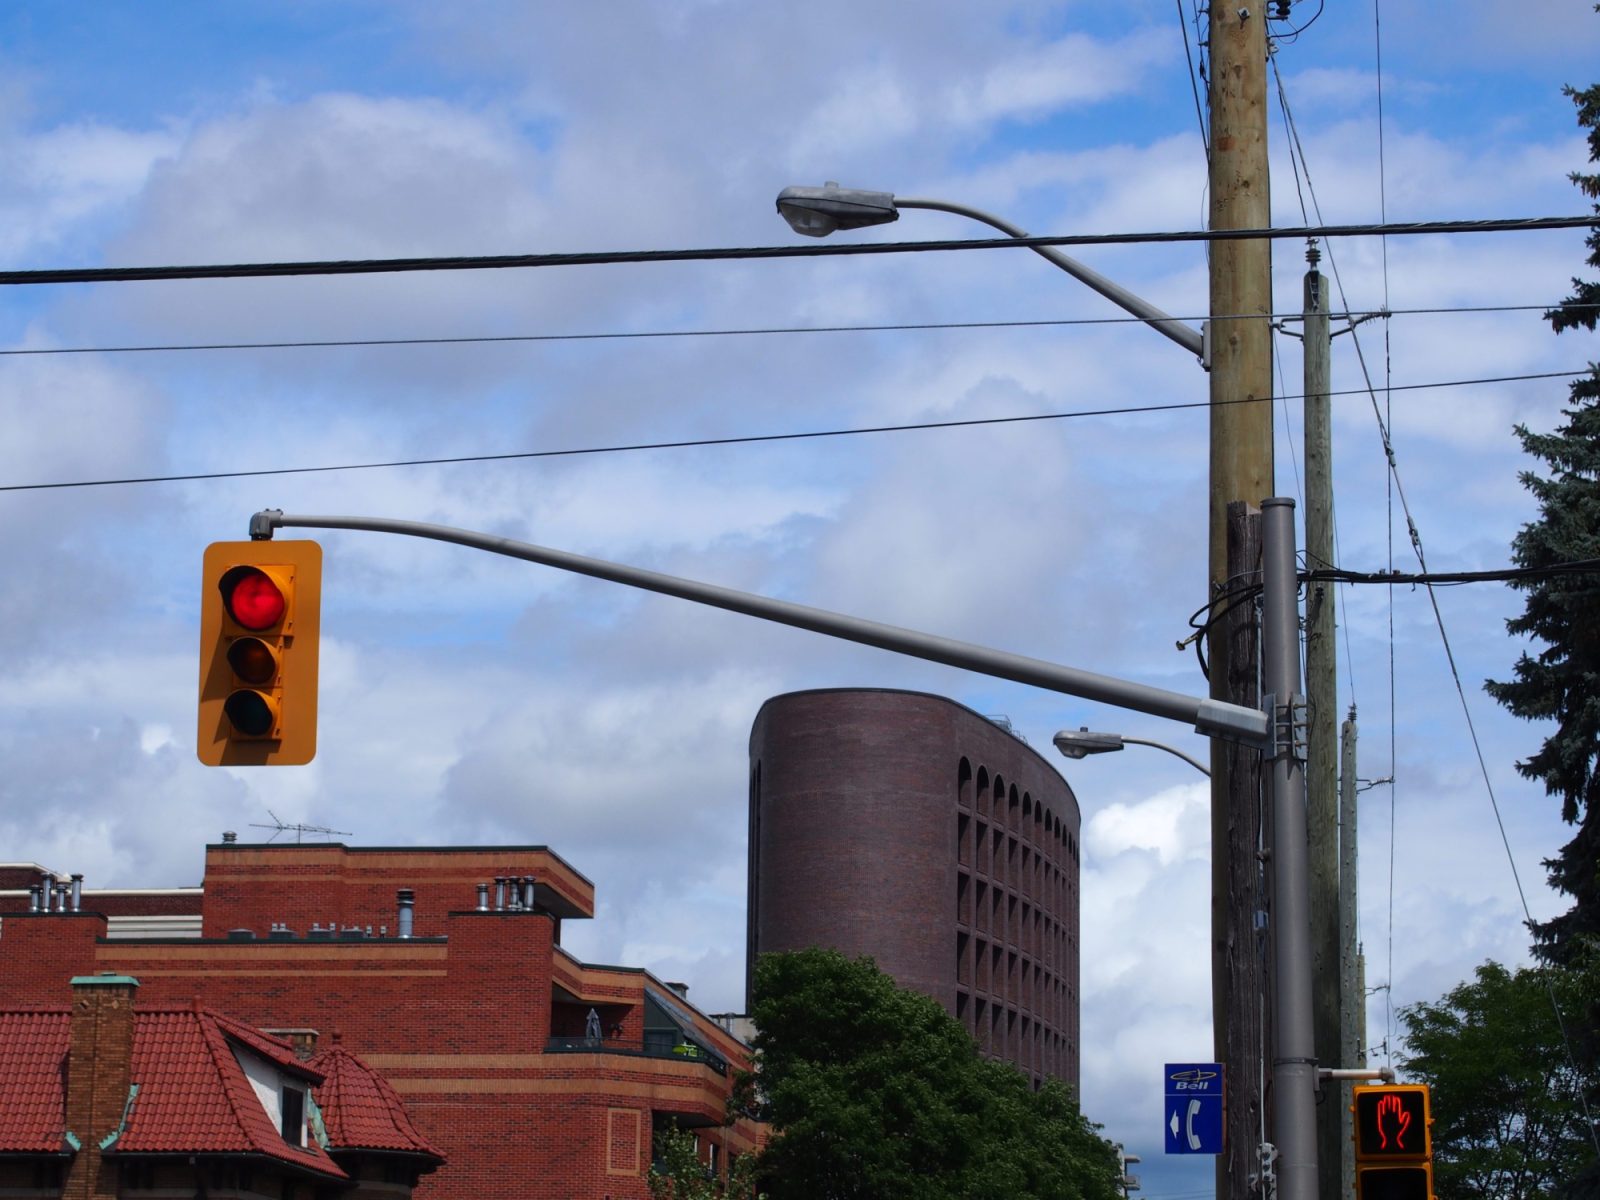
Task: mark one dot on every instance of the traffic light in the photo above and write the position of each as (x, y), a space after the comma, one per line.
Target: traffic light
(1394, 1144)
(260, 605)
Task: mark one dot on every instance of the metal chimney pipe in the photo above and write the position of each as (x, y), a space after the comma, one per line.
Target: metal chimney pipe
(63, 892)
(229, 837)
(33, 899)
(407, 899)
(77, 891)
(47, 893)
(499, 892)
(483, 897)
(527, 892)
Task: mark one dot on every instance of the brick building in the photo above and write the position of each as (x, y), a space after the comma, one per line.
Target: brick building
(532, 1073)
(907, 827)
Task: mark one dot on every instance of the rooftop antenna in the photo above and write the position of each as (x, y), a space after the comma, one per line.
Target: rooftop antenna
(280, 826)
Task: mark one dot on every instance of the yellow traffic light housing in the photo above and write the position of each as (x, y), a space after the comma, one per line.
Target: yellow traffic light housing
(1394, 1142)
(260, 612)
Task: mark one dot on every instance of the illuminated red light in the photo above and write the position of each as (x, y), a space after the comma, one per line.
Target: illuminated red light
(1391, 1122)
(252, 598)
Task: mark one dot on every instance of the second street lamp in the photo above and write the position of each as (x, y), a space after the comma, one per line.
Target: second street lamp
(1080, 743)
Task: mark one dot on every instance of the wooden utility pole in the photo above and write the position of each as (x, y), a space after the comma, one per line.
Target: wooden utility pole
(1244, 968)
(1322, 768)
(1241, 471)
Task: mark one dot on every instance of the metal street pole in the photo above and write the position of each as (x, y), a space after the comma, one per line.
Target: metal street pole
(1352, 990)
(1207, 716)
(1294, 1064)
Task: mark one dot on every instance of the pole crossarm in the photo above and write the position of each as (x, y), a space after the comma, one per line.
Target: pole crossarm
(1210, 717)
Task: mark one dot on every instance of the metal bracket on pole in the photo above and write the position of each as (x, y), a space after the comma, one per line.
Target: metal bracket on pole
(263, 523)
(1289, 725)
(1384, 1073)
(1219, 719)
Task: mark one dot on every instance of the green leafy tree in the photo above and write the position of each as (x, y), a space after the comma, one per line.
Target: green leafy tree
(678, 1173)
(1562, 611)
(1509, 1118)
(875, 1091)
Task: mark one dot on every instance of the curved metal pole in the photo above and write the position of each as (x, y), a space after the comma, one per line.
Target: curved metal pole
(1211, 717)
(1134, 741)
(1190, 339)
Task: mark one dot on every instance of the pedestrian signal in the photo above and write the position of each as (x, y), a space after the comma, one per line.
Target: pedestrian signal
(1393, 1142)
(259, 614)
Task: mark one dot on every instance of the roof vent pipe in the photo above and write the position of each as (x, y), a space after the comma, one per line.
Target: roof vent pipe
(33, 899)
(229, 837)
(47, 893)
(483, 897)
(77, 891)
(407, 900)
(62, 891)
(499, 892)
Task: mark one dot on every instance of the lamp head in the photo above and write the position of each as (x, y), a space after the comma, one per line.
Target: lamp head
(818, 211)
(1080, 743)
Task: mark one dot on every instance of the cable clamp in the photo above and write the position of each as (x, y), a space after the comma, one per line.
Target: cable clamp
(1264, 1178)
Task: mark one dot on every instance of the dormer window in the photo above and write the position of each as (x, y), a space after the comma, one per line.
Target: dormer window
(292, 1115)
(284, 1096)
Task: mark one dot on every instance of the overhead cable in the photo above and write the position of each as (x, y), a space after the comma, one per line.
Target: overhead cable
(748, 439)
(751, 331)
(375, 266)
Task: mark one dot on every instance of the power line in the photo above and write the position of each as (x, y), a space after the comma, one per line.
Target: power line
(1580, 566)
(748, 439)
(751, 331)
(376, 266)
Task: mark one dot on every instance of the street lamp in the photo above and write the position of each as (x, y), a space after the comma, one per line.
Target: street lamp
(1080, 743)
(1241, 469)
(819, 211)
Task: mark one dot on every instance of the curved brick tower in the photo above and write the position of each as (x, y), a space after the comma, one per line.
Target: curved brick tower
(910, 828)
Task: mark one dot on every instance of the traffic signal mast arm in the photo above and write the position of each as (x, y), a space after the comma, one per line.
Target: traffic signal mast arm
(1213, 718)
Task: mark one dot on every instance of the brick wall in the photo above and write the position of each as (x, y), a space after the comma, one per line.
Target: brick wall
(250, 887)
(457, 1018)
(910, 828)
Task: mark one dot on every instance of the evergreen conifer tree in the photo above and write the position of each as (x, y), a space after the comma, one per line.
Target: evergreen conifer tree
(1562, 611)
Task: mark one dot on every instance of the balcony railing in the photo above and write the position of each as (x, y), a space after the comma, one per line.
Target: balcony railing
(654, 1044)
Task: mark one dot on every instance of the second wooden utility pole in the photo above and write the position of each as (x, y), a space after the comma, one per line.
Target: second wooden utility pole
(1240, 337)
(1322, 772)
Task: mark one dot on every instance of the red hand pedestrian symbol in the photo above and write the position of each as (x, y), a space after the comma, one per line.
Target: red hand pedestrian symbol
(1390, 1108)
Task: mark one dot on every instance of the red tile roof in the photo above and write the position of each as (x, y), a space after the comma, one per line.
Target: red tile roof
(33, 1055)
(361, 1111)
(194, 1096)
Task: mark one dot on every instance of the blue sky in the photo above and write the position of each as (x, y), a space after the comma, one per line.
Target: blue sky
(466, 698)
